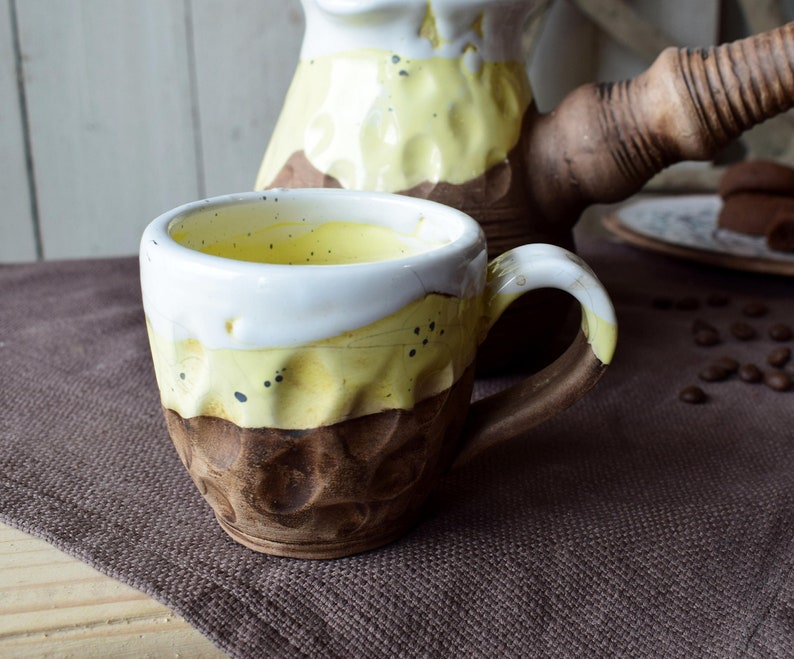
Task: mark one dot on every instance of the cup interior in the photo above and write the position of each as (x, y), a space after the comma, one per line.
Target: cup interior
(320, 227)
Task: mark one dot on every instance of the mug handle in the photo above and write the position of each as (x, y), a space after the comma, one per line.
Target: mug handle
(507, 414)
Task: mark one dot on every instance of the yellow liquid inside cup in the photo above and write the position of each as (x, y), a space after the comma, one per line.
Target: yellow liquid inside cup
(233, 234)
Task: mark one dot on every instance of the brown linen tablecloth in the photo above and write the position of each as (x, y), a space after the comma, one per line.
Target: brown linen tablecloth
(631, 525)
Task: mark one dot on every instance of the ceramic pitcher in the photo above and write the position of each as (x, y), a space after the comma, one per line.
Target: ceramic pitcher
(430, 98)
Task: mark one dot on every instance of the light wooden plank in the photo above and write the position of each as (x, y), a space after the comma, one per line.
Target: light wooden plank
(52, 605)
(127, 640)
(17, 236)
(111, 119)
(48, 620)
(65, 591)
(245, 55)
(50, 567)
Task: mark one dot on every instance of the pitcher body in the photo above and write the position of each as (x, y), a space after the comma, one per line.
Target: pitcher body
(429, 99)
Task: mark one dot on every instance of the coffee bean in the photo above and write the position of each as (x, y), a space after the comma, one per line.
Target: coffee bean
(780, 332)
(777, 380)
(707, 337)
(742, 331)
(750, 373)
(714, 373)
(699, 324)
(755, 309)
(717, 300)
(779, 357)
(729, 364)
(692, 395)
(662, 303)
(687, 304)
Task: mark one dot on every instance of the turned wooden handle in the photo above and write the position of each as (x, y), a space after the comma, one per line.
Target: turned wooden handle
(510, 413)
(605, 141)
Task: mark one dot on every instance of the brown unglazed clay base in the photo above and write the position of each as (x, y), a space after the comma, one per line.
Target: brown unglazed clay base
(323, 492)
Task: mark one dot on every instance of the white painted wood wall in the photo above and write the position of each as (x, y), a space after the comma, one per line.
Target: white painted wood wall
(126, 108)
(113, 111)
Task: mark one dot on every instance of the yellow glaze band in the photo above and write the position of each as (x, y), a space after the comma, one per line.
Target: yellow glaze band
(601, 335)
(402, 122)
(391, 364)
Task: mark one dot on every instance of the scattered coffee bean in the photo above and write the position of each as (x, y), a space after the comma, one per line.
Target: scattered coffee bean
(700, 324)
(729, 364)
(742, 331)
(714, 373)
(687, 304)
(755, 309)
(779, 357)
(717, 300)
(707, 337)
(780, 332)
(692, 395)
(777, 380)
(780, 378)
(750, 373)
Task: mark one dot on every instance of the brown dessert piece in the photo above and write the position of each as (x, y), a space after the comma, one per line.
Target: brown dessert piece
(780, 233)
(758, 200)
(757, 176)
(752, 213)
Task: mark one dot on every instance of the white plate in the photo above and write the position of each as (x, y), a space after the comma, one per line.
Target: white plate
(686, 226)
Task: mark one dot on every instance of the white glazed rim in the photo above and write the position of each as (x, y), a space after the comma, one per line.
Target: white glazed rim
(468, 241)
(190, 294)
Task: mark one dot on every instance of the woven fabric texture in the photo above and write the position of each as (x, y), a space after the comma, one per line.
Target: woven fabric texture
(630, 525)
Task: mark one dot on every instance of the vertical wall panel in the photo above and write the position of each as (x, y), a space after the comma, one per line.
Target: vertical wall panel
(17, 242)
(245, 55)
(110, 117)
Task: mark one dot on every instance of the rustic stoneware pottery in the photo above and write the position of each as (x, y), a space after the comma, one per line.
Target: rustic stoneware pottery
(315, 350)
(431, 99)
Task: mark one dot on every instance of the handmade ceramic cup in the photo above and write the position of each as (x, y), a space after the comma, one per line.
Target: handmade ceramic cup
(315, 352)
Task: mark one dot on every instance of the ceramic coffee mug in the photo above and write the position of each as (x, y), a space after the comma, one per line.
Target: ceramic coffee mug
(315, 351)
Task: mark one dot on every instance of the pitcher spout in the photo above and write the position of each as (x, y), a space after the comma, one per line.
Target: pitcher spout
(605, 141)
